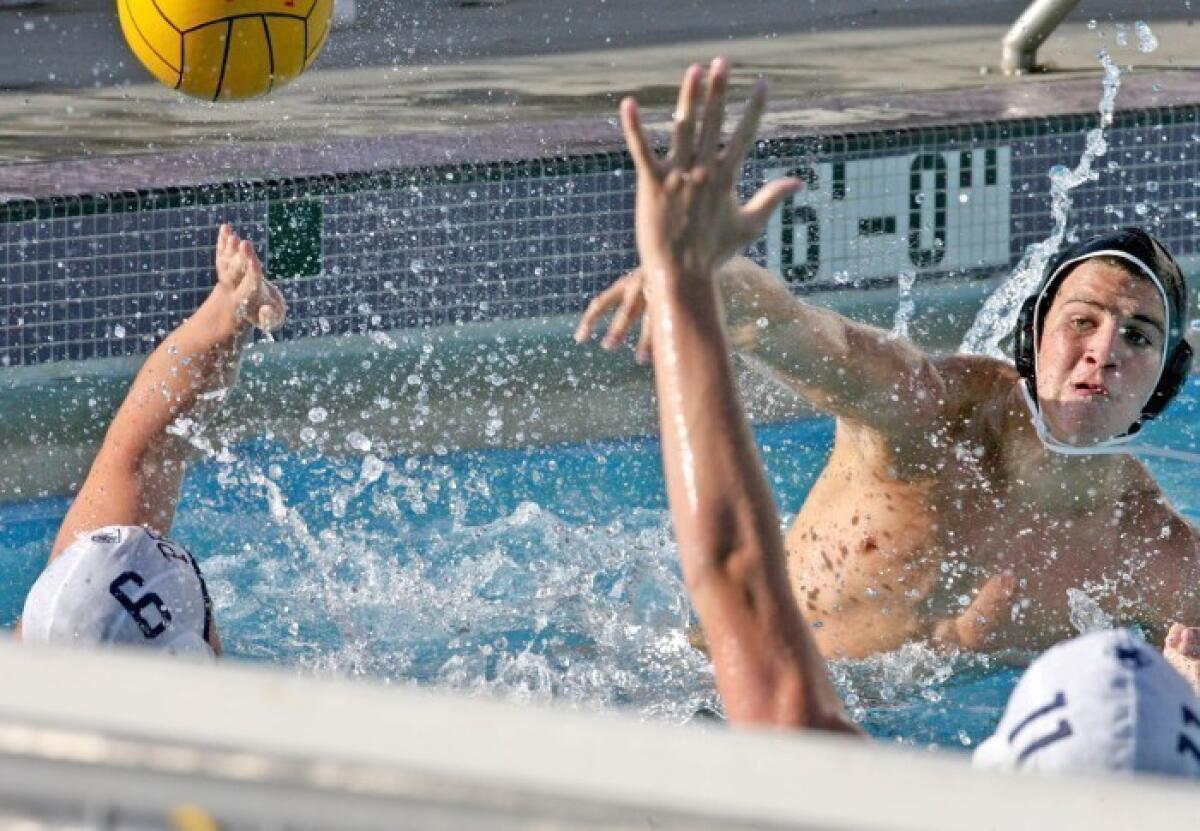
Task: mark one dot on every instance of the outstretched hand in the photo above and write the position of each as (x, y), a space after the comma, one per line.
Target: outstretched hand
(241, 279)
(688, 216)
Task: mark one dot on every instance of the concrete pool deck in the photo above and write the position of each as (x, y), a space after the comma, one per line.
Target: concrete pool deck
(43, 122)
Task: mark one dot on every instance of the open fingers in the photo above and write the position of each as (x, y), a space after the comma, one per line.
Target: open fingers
(599, 306)
(644, 353)
(632, 305)
(714, 111)
(758, 210)
(747, 129)
(635, 139)
(683, 139)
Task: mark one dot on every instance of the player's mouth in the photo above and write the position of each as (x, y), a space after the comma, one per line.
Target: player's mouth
(1090, 389)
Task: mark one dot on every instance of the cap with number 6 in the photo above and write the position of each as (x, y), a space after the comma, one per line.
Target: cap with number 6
(121, 584)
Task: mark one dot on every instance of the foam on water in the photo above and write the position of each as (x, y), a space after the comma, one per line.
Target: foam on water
(905, 305)
(527, 604)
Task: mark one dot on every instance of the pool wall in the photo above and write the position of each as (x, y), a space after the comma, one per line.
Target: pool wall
(375, 756)
(434, 280)
(99, 257)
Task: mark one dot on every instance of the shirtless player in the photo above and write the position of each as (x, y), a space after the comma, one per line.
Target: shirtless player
(1102, 702)
(942, 513)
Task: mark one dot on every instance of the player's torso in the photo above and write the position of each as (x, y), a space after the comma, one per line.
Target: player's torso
(877, 559)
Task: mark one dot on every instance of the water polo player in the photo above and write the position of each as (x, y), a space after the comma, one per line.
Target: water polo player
(1102, 702)
(965, 499)
(113, 576)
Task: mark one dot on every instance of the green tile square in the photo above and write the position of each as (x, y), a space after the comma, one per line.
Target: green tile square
(294, 238)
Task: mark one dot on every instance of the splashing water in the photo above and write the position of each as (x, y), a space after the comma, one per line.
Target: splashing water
(1085, 612)
(289, 519)
(1147, 42)
(905, 305)
(995, 321)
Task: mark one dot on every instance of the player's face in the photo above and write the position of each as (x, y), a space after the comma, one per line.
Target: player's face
(1100, 352)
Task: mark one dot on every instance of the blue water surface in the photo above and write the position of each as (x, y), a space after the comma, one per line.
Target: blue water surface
(531, 573)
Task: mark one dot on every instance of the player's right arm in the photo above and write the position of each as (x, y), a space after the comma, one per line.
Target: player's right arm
(843, 367)
(136, 476)
(138, 471)
(767, 666)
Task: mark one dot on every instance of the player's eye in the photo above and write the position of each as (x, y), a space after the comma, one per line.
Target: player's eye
(1136, 337)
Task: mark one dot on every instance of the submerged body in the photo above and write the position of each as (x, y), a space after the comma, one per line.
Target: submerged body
(979, 537)
(941, 514)
(1105, 702)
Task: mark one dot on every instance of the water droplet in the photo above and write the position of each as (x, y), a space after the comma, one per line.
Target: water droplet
(318, 414)
(372, 468)
(118, 331)
(964, 198)
(358, 441)
(1147, 42)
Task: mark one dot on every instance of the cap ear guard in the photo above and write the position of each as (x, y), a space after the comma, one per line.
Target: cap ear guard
(1174, 376)
(1025, 340)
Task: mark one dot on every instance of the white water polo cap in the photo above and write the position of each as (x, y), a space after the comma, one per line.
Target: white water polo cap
(1103, 702)
(121, 584)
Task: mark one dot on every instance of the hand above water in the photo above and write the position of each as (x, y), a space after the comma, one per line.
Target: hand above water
(242, 283)
(1182, 651)
(689, 219)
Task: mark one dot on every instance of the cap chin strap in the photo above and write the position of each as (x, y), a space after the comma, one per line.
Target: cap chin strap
(1109, 447)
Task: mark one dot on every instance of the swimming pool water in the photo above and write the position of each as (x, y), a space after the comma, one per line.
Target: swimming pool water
(533, 573)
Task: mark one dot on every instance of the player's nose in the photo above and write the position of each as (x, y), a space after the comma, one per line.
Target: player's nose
(1102, 346)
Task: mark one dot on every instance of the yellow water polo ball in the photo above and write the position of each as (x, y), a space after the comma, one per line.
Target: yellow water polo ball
(224, 50)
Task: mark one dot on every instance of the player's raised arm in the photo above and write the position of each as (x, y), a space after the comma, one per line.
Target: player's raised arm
(767, 666)
(136, 477)
(845, 368)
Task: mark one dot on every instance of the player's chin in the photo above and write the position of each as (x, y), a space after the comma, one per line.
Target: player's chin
(1084, 423)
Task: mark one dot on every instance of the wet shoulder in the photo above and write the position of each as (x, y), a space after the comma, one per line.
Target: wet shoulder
(1167, 547)
(978, 389)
